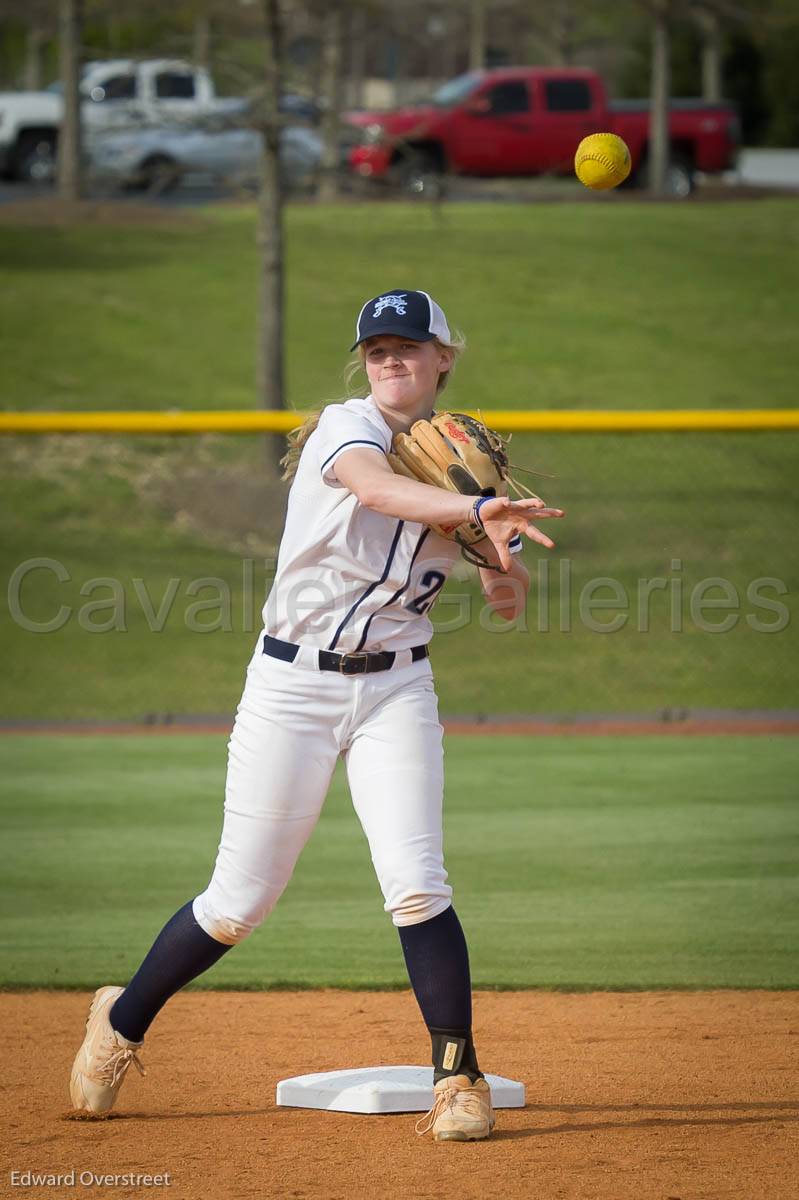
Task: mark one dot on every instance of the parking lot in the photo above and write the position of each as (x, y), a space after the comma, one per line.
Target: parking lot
(759, 172)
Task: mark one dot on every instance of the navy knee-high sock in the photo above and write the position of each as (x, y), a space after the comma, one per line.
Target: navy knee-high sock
(181, 952)
(438, 967)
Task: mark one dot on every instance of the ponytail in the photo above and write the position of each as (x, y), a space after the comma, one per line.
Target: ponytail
(296, 440)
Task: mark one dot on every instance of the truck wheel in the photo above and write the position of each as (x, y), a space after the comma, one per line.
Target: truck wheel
(420, 173)
(157, 174)
(679, 178)
(35, 158)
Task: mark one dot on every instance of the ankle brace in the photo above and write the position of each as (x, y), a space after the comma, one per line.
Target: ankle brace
(454, 1054)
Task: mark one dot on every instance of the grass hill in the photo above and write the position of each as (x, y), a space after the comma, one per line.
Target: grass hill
(564, 306)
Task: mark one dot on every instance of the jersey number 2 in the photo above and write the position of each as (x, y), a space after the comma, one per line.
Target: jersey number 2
(433, 581)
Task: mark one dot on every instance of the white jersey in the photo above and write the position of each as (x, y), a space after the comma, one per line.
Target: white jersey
(348, 578)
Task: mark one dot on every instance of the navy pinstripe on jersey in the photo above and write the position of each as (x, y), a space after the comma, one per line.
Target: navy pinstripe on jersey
(393, 599)
(370, 589)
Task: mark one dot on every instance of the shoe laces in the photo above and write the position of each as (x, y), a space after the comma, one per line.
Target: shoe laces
(466, 1099)
(114, 1067)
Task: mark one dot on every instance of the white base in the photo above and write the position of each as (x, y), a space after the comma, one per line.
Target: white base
(381, 1090)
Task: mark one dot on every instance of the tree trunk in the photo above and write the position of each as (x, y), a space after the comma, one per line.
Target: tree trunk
(32, 68)
(447, 52)
(69, 138)
(711, 55)
(659, 113)
(269, 362)
(201, 39)
(477, 35)
(357, 57)
(399, 69)
(563, 35)
(331, 98)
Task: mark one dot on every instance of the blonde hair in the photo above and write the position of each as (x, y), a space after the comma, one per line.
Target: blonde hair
(298, 437)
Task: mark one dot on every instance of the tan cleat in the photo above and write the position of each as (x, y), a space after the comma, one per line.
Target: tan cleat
(102, 1062)
(462, 1111)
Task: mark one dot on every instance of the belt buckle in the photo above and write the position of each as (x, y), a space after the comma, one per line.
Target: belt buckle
(358, 661)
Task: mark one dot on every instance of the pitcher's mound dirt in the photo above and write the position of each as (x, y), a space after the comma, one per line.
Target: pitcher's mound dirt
(673, 1096)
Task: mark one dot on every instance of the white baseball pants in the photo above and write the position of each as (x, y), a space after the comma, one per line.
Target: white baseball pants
(292, 724)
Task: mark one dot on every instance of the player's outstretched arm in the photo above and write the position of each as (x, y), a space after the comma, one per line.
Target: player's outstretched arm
(368, 475)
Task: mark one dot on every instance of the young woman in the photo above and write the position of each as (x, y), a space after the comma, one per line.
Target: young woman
(342, 669)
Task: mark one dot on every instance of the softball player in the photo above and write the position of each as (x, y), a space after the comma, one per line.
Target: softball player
(341, 669)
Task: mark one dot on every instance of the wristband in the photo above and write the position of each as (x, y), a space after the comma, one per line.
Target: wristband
(476, 518)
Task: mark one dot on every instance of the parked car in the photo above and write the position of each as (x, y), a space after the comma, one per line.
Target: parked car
(159, 158)
(301, 108)
(527, 121)
(118, 94)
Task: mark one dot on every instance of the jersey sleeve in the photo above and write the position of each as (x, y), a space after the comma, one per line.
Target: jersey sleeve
(515, 545)
(341, 429)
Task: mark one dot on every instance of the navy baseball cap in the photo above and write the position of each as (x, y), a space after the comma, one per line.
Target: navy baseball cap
(405, 313)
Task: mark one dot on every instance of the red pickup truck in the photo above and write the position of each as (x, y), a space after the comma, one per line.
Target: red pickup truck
(528, 121)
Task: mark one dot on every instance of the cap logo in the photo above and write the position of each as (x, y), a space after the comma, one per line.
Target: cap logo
(396, 302)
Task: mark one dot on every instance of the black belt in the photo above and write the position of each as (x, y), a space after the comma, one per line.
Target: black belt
(346, 664)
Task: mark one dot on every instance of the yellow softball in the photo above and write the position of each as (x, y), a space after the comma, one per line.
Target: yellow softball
(602, 161)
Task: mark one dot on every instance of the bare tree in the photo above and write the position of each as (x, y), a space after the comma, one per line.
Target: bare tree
(331, 95)
(35, 38)
(709, 14)
(357, 46)
(564, 30)
(477, 35)
(201, 37)
(712, 17)
(38, 20)
(269, 362)
(69, 139)
(563, 39)
(443, 30)
(708, 20)
(660, 98)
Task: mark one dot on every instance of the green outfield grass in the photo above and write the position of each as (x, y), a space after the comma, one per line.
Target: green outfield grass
(628, 305)
(716, 507)
(577, 863)
(588, 305)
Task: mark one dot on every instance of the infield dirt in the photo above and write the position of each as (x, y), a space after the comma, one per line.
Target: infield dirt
(630, 1096)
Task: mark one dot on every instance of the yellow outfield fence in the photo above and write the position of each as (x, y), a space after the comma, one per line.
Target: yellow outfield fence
(528, 421)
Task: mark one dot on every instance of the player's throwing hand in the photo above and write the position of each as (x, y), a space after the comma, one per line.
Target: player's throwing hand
(504, 519)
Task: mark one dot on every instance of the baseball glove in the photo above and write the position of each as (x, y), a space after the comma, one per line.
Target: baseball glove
(455, 452)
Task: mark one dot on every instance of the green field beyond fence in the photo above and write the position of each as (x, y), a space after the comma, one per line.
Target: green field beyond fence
(576, 863)
(673, 582)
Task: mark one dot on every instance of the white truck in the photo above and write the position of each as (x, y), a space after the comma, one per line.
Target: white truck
(117, 94)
